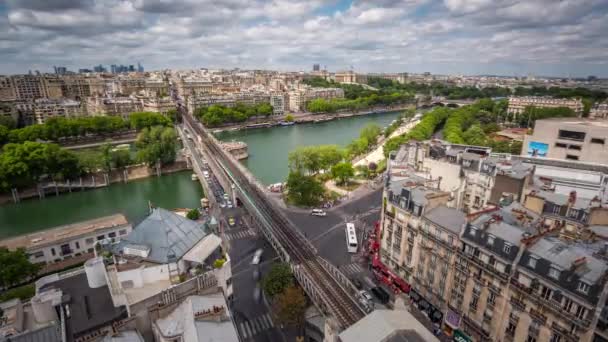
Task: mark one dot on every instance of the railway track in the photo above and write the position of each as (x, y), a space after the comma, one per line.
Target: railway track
(340, 303)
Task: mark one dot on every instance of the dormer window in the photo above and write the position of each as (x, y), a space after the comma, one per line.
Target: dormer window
(554, 272)
(473, 231)
(532, 261)
(507, 248)
(583, 287)
(490, 240)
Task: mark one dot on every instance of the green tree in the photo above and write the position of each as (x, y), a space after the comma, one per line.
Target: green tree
(174, 115)
(304, 190)
(121, 158)
(312, 159)
(475, 136)
(370, 132)
(15, 267)
(290, 307)
(106, 157)
(8, 122)
(193, 214)
(156, 143)
(342, 172)
(278, 279)
(289, 118)
(141, 120)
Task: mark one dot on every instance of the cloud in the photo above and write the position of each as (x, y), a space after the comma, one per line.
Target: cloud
(442, 36)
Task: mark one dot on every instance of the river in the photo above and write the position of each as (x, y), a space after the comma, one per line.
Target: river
(268, 151)
(269, 147)
(175, 190)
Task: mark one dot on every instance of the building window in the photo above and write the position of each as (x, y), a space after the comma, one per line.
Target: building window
(507, 248)
(583, 287)
(473, 304)
(101, 237)
(491, 298)
(546, 292)
(554, 273)
(575, 147)
(77, 244)
(490, 240)
(532, 261)
(580, 312)
(450, 240)
(555, 338)
(571, 135)
(597, 141)
(571, 157)
(89, 241)
(568, 304)
(562, 145)
(38, 254)
(53, 251)
(112, 234)
(473, 231)
(122, 232)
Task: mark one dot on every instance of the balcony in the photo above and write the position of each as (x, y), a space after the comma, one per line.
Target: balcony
(518, 304)
(550, 304)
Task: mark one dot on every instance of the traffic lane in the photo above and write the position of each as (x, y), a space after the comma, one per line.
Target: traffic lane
(362, 204)
(313, 226)
(332, 247)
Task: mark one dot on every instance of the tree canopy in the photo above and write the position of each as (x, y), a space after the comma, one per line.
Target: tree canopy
(156, 143)
(289, 306)
(141, 120)
(15, 267)
(278, 279)
(216, 115)
(312, 159)
(343, 172)
(304, 190)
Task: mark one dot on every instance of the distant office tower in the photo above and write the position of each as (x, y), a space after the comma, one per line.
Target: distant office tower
(60, 70)
(140, 68)
(99, 68)
(316, 67)
(113, 68)
(131, 68)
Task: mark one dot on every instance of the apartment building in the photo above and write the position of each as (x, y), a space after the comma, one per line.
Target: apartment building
(190, 86)
(193, 103)
(299, 97)
(113, 106)
(599, 111)
(45, 109)
(568, 138)
(158, 104)
(7, 89)
(517, 105)
(69, 241)
(279, 102)
(28, 87)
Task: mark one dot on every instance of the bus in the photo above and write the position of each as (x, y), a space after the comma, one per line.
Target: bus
(351, 238)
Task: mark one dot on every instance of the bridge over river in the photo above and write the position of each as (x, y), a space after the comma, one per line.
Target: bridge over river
(329, 289)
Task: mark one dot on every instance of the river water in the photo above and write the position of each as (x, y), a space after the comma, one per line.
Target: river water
(269, 147)
(176, 190)
(268, 152)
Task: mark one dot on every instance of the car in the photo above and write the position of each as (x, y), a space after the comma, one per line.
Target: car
(229, 204)
(257, 293)
(381, 294)
(222, 205)
(365, 295)
(231, 221)
(206, 174)
(226, 197)
(318, 212)
(357, 283)
(257, 257)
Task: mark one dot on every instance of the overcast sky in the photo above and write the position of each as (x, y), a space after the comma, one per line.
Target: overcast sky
(506, 37)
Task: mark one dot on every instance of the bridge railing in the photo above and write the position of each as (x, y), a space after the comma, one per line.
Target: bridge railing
(341, 279)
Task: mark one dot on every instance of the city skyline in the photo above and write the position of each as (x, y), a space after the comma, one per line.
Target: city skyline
(470, 37)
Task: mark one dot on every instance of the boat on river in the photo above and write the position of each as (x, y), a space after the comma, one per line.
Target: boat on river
(286, 123)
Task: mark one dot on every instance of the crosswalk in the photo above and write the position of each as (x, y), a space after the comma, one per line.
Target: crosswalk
(351, 269)
(239, 235)
(250, 328)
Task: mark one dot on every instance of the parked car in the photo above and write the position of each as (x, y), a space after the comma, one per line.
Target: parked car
(381, 294)
(318, 212)
(229, 204)
(206, 174)
(357, 283)
(231, 221)
(257, 257)
(222, 205)
(365, 295)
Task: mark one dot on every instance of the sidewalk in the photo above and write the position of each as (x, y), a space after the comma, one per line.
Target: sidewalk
(378, 153)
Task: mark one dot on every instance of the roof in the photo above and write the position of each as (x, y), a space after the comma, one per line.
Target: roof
(387, 325)
(562, 255)
(203, 249)
(167, 234)
(51, 333)
(89, 307)
(499, 228)
(64, 233)
(448, 218)
(181, 321)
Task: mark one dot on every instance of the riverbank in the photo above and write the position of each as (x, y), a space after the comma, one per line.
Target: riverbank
(93, 181)
(306, 118)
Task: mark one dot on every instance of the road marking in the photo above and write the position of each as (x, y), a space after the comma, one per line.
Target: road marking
(248, 329)
(263, 322)
(254, 328)
(243, 331)
(269, 318)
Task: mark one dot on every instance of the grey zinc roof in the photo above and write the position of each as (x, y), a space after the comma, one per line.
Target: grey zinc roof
(167, 234)
(49, 333)
(448, 218)
(507, 232)
(125, 336)
(384, 325)
(562, 255)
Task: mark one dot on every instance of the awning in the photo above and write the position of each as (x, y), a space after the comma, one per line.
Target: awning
(414, 296)
(436, 316)
(423, 305)
(201, 251)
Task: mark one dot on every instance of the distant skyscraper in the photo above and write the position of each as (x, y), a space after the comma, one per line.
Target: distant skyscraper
(60, 70)
(316, 67)
(99, 68)
(113, 68)
(140, 68)
(131, 68)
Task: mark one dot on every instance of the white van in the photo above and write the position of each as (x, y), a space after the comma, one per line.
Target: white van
(318, 212)
(206, 174)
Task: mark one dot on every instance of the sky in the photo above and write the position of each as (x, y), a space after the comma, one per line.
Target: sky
(471, 37)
